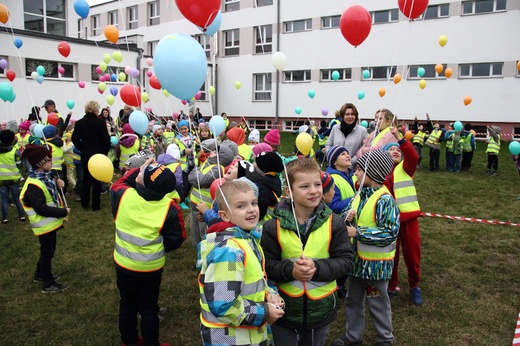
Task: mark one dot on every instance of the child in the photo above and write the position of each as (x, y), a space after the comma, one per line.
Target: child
(253, 138)
(158, 142)
(306, 249)
(327, 184)
(270, 189)
(401, 186)
(171, 160)
(339, 167)
(41, 203)
(128, 146)
(376, 219)
(493, 148)
(142, 240)
(184, 141)
(236, 303)
(9, 175)
(238, 135)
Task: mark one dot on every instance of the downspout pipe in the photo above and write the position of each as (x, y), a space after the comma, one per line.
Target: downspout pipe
(277, 96)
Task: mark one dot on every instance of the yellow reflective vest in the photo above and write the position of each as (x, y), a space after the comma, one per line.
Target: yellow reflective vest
(197, 194)
(126, 153)
(380, 135)
(245, 152)
(418, 138)
(345, 190)
(139, 244)
(22, 141)
(40, 224)
(317, 247)
(8, 169)
(57, 156)
(174, 194)
(404, 190)
(433, 138)
(493, 147)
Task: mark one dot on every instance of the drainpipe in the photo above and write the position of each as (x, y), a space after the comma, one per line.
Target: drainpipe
(277, 102)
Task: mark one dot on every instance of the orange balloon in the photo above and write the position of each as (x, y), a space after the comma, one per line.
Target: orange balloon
(518, 65)
(397, 78)
(382, 92)
(439, 68)
(408, 135)
(473, 132)
(111, 33)
(4, 14)
(467, 100)
(448, 72)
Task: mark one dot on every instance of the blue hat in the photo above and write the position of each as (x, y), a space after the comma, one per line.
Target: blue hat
(333, 153)
(183, 123)
(49, 131)
(389, 145)
(326, 181)
(201, 121)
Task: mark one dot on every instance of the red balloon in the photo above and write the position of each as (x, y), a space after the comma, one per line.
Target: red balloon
(131, 95)
(199, 12)
(412, 8)
(355, 24)
(10, 75)
(52, 119)
(215, 185)
(64, 48)
(154, 83)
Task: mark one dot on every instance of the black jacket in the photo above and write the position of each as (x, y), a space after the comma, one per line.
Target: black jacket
(90, 136)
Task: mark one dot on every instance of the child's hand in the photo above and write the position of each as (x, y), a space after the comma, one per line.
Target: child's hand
(201, 207)
(68, 211)
(303, 269)
(395, 131)
(351, 213)
(60, 183)
(351, 231)
(274, 313)
(200, 217)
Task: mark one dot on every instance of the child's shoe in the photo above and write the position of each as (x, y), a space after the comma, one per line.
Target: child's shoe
(184, 206)
(21, 219)
(393, 294)
(138, 343)
(5, 221)
(416, 296)
(54, 288)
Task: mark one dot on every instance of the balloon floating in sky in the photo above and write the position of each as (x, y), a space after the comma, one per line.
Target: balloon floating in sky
(335, 75)
(439, 68)
(324, 111)
(311, 93)
(149, 61)
(355, 24)
(412, 8)
(211, 90)
(238, 85)
(382, 92)
(200, 13)
(154, 83)
(214, 26)
(217, 125)
(443, 39)
(448, 72)
(279, 60)
(422, 84)
(18, 43)
(366, 74)
(82, 8)
(117, 56)
(64, 49)
(467, 100)
(111, 33)
(70, 103)
(4, 13)
(421, 71)
(10, 74)
(6, 91)
(298, 110)
(397, 78)
(457, 126)
(81, 84)
(131, 95)
(138, 122)
(360, 94)
(3, 64)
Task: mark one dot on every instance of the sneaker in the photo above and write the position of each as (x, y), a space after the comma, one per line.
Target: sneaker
(343, 341)
(416, 296)
(139, 342)
(21, 219)
(55, 288)
(40, 280)
(184, 206)
(5, 221)
(162, 310)
(494, 174)
(393, 294)
(77, 198)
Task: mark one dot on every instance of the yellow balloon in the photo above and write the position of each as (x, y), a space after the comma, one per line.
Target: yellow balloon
(422, 84)
(107, 58)
(121, 76)
(101, 168)
(443, 39)
(110, 99)
(304, 143)
(165, 92)
(144, 96)
(238, 84)
(211, 90)
(117, 56)
(103, 66)
(102, 86)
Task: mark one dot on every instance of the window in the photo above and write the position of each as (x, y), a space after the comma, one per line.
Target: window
(380, 72)
(231, 5)
(131, 14)
(429, 71)
(262, 83)
(436, 11)
(260, 124)
(203, 92)
(483, 6)
(231, 42)
(110, 70)
(330, 22)
(46, 16)
(94, 23)
(79, 28)
(344, 74)
(298, 25)
(263, 39)
(260, 3)
(516, 132)
(290, 125)
(387, 16)
(112, 18)
(297, 76)
(151, 47)
(51, 68)
(154, 13)
(481, 70)
(204, 42)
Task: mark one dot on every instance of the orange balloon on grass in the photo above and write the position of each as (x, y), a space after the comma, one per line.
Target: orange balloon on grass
(111, 33)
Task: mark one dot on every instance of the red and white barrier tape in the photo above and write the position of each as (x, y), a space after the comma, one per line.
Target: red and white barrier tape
(516, 339)
(471, 219)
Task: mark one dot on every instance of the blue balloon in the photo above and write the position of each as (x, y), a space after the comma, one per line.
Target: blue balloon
(18, 43)
(39, 79)
(6, 91)
(180, 65)
(298, 110)
(82, 8)
(113, 78)
(514, 147)
(70, 103)
(114, 140)
(214, 26)
(138, 122)
(457, 126)
(364, 123)
(38, 130)
(13, 97)
(217, 125)
(113, 90)
(41, 70)
(360, 94)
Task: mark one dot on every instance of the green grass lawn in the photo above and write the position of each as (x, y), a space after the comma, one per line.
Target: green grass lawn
(470, 281)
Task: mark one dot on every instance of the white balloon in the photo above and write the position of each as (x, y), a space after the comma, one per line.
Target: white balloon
(34, 75)
(279, 60)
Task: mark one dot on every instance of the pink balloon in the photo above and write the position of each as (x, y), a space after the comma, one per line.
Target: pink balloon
(184, 102)
(197, 95)
(324, 111)
(100, 91)
(149, 110)
(149, 73)
(127, 69)
(107, 77)
(101, 78)
(149, 61)
(61, 70)
(175, 115)
(81, 84)
(98, 70)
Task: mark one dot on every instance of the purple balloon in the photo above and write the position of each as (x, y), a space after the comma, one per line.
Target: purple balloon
(3, 64)
(134, 72)
(113, 90)
(324, 111)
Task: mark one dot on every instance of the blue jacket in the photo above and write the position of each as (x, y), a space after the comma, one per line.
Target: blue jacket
(337, 204)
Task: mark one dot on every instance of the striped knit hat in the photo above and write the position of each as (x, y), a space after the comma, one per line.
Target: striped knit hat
(326, 181)
(377, 164)
(333, 153)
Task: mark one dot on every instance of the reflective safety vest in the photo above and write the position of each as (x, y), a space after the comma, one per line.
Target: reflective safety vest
(8, 169)
(367, 218)
(254, 290)
(170, 137)
(345, 190)
(40, 224)
(126, 153)
(432, 139)
(322, 141)
(404, 190)
(184, 158)
(493, 147)
(418, 138)
(245, 152)
(466, 143)
(449, 143)
(174, 194)
(380, 135)
(270, 211)
(317, 247)
(198, 195)
(57, 156)
(139, 244)
(22, 141)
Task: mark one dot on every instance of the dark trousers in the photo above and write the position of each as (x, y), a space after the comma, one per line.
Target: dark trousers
(467, 157)
(139, 295)
(418, 149)
(44, 265)
(435, 154)
(90, 183)
(79, 177)
(186, 186)
(492, 164)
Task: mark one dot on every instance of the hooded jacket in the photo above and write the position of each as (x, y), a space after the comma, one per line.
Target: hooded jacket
(167, 159)
(337, 204)
(302, 312)
(224, 158)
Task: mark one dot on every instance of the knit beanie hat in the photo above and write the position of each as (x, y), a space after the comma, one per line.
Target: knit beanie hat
(169, 124)
(231, 145)
(237, 135)
(254, 136)
(12, 125)
(389, 145)
(377, 164)
(272, 137)
(127, 129)
(156, 127)
(159, 178)
(25, 125)
(262, 147)
(36, 155)
(326, 182)
(250, 183)
(49, 131)
(209, 145)
(183, 123)
(7, 137)
(269, 162)
(244, 167)
(32, 127)
(139, 159)
(173, 151)
(333, 154)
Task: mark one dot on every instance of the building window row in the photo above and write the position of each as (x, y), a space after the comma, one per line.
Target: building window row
(51, 68)
(46, 16)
